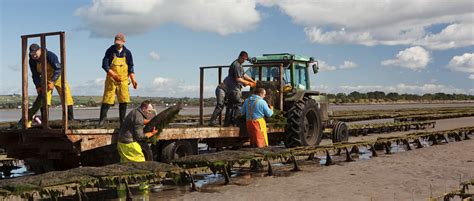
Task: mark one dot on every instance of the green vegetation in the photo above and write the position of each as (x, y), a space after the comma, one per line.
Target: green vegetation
(14, 101)
(379, 96)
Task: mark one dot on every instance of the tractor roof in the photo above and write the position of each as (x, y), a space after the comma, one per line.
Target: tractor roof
(281, 57)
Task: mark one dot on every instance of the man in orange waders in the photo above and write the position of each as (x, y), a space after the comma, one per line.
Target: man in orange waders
(255, 109)
(118, 64)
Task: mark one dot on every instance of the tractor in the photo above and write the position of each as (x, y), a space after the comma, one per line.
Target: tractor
(286, 78)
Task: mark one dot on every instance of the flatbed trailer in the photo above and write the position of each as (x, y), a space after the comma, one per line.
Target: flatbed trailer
(63, 149)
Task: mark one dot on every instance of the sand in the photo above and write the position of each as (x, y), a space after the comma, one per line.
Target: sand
(401, 176)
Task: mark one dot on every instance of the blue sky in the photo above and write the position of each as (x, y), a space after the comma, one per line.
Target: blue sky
(402, 46)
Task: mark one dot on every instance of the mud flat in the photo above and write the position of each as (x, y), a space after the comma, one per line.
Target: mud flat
(401, 176)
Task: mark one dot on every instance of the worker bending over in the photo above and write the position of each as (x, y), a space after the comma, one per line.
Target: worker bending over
(132, 145)
(118, 64)
(53, 70)
(255, 109)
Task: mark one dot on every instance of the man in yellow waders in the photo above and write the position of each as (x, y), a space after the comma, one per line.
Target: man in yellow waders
(53, 70)
(255, 109)
(118, 64)
(132, 145)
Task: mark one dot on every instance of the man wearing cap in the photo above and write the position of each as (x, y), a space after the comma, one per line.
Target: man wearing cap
(118, 64)
(53, 68)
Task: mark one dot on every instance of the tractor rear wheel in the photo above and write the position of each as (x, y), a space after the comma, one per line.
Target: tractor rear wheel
(304, 127)
(340, 132)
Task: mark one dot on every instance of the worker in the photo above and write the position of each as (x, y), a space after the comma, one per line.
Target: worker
(255, 109)
(234, 82)
(53, 70)
(220, 99)
(118, 64)
(132, 145)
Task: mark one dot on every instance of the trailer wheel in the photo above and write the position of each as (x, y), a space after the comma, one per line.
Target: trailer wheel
(303, 126)
(340, 133)
(175, 150)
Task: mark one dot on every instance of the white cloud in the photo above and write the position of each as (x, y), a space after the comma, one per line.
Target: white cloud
(366, 22)
(15, 67)
(463, 63)
(170, 87)
(414, 58)
(454, 35)
(471, 76)
(155, 56)
(317, 35)
(399, 88)
(323, 66)
(348, 65)
(91, 87)
(374, 22)
(106, 17)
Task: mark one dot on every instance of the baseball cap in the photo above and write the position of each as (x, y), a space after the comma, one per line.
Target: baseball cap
(120, 38)
(33, 48)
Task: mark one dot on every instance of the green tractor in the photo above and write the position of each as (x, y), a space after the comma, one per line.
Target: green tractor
(286, 78)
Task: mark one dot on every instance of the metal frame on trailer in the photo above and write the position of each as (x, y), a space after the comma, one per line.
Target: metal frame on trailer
(44, 81)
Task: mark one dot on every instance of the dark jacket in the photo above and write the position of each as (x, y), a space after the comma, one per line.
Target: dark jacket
(109, 56)
(131, 129)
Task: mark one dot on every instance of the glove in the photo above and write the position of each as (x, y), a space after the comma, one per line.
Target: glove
(146, 121)
(151, 133)
(114, 75)
(38, 90)
(50, 85)
(252, 84)
(134, 82)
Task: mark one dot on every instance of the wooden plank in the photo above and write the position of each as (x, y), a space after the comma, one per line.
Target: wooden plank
(42, 34)
(201, 96)
(219, 82)
(206, 133)
(62, 47)
(281, 87)
(24, 82)
(44, 83)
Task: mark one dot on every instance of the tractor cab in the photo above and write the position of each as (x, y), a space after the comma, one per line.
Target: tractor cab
(284, 72)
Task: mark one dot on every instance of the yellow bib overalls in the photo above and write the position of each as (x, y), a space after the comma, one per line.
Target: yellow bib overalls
(112, 87)
(57, 85)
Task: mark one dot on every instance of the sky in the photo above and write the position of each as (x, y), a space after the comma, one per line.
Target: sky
(403, 46)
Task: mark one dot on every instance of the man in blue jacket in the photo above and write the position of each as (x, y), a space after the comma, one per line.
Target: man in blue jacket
(255, 109)
(53, 69)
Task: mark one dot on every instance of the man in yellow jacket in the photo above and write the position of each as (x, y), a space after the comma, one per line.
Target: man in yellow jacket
(53, 70)
(118, 64)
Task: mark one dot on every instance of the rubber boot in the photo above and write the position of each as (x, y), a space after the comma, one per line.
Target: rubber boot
(122, 111)
(214, 116)
(70, 113)
(228, 117)
(104, 108)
